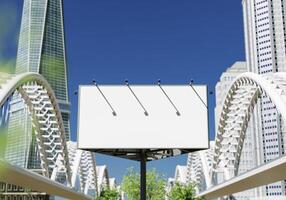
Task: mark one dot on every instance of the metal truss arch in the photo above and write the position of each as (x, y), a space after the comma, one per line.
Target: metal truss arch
(238, 106)
(45, 115)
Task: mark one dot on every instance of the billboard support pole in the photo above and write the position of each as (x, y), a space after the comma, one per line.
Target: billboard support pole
(143, 176)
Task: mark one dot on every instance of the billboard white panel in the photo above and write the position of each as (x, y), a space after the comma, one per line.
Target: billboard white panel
(130, 128)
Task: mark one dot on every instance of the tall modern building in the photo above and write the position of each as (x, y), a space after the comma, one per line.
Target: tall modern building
(42, 48)
(265, 37)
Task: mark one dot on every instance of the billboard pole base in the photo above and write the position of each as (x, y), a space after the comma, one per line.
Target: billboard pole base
(143, 176)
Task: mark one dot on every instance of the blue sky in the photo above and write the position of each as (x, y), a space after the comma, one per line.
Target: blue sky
(111, 40)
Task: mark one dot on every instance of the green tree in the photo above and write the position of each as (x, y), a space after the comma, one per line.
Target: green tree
(183, 192)
(108, 194)
(155, 185)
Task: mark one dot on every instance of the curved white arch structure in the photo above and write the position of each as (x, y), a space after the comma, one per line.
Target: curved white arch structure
(102, 177)
(199, 168)
(181, 174)
(46, 120)
(83, 168)
(238, 106)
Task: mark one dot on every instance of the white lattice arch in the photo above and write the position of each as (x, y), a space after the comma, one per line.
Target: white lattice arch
(102, 177)
(238, 106)
(45, 116)
(83, 168)
(199, 168)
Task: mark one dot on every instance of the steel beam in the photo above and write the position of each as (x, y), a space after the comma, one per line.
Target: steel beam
(143, 176)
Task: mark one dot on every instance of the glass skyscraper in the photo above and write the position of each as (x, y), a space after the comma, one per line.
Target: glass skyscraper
(265, 41)
(42, 48)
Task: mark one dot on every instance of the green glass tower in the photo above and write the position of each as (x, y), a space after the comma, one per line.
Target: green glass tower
(42, 48)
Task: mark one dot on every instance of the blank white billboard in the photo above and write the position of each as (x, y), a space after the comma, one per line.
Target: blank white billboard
(142, 117)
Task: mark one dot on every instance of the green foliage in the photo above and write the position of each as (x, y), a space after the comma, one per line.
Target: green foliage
(155, 185)
(131, 184)
(108, 194)
(183, 192)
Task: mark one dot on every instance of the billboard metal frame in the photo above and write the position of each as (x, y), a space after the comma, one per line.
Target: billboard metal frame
(145, 155)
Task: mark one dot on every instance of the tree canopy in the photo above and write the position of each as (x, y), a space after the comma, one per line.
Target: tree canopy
(155, 185)
(183, 192)
(108, 194)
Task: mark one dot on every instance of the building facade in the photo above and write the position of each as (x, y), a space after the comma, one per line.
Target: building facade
(42, 48)
(265, 36)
